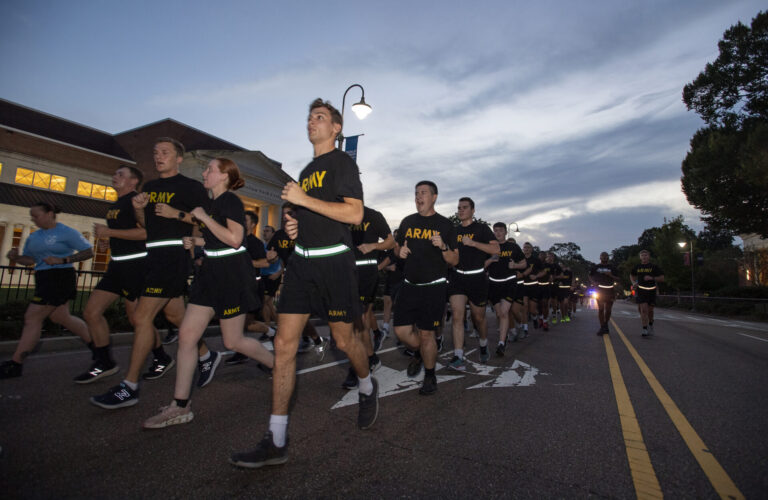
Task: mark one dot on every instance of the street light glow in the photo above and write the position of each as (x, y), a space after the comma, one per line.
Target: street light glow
(681, 243)
(361, 109)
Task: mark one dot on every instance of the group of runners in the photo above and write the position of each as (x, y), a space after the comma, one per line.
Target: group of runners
(434, 270)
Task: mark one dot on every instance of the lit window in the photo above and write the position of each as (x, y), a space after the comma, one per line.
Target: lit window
(1, 168)
(111, 194)
(42, 180)
(84, 188)
(24, 176)
(58, 183)
(98, 191)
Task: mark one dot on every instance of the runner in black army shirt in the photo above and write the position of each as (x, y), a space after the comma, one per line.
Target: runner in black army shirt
(163, 209)
(328, 196)
(531, 286)
(502, 276)
(468, 281)
(604, 275)
(125, 272)
(644, 277)
(564, 283)
(544, 277)
(427, 242)
(366, 245)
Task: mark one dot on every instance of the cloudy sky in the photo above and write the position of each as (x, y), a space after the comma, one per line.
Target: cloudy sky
(564, 117)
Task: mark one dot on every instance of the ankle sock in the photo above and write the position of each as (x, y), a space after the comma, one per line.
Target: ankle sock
(365, 385)
(278, 424)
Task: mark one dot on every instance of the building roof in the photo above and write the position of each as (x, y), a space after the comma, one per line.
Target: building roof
(36, 122)
(23, 196)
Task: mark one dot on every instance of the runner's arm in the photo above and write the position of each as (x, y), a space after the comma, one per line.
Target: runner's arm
(349, 211)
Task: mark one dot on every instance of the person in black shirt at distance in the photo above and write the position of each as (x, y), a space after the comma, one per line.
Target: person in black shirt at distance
(644, 278)
(604, 275)
(426, 241)
(393, 267)
(502, 273)
(219, 290)
(564, 283)
(530, 287)
(544, 294)
(320, 279)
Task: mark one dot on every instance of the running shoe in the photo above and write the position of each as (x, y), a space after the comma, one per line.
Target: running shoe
(265, 453)
(171, 337)
(545, 326)
(500, 349)
(97, 371)
(351, 381)
(374, 364)
(414, 366)
(439, 341)
(535, 323)
(159, 368)
(429, 386)
(322, 348)
(378, 339)
(645, 332)
(207, 368)
(305, 344)
(236, 359)
(515, 334)
(600, 331)
(120, 396)
(554, 321)
(484, 355)
(650, 329)
(170, 415)
(523, 333)
(368, 407)
(458, 364)
(567, 319)
(10, 369)
(474, 334)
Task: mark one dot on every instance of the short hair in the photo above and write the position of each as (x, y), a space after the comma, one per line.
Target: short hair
(468, 200)
(47, 206)
(179, 147)
(432, 185)
(499, 224)
(253, 216)
(270, 227)
(288, 205)
(644, 251)
(604, 253)
(227, 166)
(512, 240)
(527, 244)
(135, 173)
(335, 115)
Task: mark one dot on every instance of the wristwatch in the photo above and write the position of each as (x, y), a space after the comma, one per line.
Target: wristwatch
(181, 215)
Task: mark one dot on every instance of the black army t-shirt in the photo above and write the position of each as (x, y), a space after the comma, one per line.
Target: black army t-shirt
(471, 258)
(425, 263)
(121, 215)
(373, 227)
(181, 193)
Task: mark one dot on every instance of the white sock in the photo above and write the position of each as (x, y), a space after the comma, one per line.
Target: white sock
(271, 332)
(525, 327)
(278, 424)
(365, 385)
(132, 385)
(458, 353)
(483, 342)
(205, 356)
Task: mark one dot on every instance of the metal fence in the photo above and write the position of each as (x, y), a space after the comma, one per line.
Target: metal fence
(17, 284)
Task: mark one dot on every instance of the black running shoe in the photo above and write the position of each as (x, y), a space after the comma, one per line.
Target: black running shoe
(265, 453)
(414, 366)
(159, 368)
(429, 386)
(368, 407)
(171, 337)
(600, 331)
(97, 371)
(10, 369)
(439, 341)
(207, 368)
(351, 381)
(500, 349)
(120, 396)
(236, 359)
(378, 339)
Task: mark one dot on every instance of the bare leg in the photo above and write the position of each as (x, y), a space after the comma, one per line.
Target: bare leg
(234, 340)
(502, 315)
(458, 304)
(290, 327)
(98, 302)
(144, 333)
(30, 334)
(74, 324)
(478, 319)
(191, 331)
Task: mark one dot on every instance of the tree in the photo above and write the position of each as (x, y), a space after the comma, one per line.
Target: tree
(725, 173)
(567, 251)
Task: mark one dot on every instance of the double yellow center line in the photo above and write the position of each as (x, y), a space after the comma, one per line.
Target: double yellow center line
(641, 468)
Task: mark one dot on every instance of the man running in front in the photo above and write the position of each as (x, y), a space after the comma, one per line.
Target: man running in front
(328, 197)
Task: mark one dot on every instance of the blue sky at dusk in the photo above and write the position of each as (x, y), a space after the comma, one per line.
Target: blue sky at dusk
(565, 117)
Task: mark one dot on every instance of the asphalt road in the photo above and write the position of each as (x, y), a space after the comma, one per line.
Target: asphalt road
(547, 420)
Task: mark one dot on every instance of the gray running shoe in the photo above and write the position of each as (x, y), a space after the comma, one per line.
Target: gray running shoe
(368, 407)
(170, 415)
(265, 453)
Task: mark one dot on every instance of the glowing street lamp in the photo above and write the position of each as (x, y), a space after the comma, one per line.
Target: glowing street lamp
(360, 109)
(516, 231)
(693, 290)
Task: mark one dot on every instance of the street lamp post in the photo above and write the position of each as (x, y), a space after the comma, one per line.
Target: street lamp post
(516, 231)
(361, 109)
(691, 259)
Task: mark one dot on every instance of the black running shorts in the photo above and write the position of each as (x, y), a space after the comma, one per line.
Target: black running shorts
(531, 291)
(422, 306)
(271, 286)
(474, 286)
(54, 287)
(326, 286)
(646, 296)
(498, 290)
(606, 294)
(124, 278)
(167, 272)
(367, 281)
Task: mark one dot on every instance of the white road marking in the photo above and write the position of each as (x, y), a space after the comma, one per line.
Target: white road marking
(511, 377)
(750, 336)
